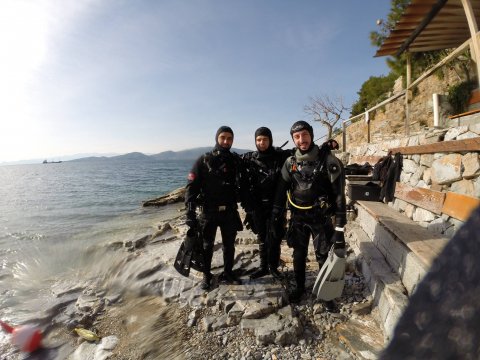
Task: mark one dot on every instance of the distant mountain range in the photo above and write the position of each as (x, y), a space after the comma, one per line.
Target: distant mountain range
(189, 154)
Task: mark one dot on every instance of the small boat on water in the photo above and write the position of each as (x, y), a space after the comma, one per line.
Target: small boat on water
(51, 162)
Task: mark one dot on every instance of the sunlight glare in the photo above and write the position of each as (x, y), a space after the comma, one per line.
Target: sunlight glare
(23, 48)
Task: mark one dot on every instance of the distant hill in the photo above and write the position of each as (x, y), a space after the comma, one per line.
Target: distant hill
(189, 154)
(132, 156)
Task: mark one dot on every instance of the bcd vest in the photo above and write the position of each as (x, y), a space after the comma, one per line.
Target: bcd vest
(220, 178)
(311, 184)
(263, 175)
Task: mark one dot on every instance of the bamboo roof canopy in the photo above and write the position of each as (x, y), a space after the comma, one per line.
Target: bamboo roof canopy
(428, 25)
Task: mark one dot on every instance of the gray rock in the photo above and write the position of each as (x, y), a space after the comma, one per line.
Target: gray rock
(86, 351)
(422, 215)
(108, 342)
(207, 323)
(256, 310)
(447, 169)
(174, 196)
(86, 302)
(471, 164)
(465, 187)
(220, 322)
(362, 308)
(467, 135)
(426, 160)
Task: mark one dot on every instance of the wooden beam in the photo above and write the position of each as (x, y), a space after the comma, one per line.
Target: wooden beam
(444, 61)
(471, 112)
(362, 159)
(472, 25)
(440, 147)
(407, 93)
(459, 206)
(434, 10)
(430, 200)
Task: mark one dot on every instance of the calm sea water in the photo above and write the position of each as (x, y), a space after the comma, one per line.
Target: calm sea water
(50, 214)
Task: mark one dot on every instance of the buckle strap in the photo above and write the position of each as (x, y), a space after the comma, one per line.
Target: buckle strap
(218, 208)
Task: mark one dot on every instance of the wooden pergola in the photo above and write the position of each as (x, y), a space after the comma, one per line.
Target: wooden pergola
(428, 25)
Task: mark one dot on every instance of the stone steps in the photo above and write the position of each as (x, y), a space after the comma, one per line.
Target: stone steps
(388, 292)
(362, 337)
(395, 254)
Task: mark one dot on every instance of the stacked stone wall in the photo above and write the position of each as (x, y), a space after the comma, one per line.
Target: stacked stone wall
(445, 172)
(388, 122)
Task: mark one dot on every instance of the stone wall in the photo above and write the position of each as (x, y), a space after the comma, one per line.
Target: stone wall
(388, 122)
(454, 172)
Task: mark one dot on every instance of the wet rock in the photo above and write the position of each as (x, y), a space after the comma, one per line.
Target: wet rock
(137, 244)
(149, 272)
(174, 196)
(112, 298)
(116, 245)
(86, 302)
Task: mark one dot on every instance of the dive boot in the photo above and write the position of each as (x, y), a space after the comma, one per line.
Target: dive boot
(206, 281)
(262, 271)
(277, 275)
(330, 306)
(295, 295)
(231, 278)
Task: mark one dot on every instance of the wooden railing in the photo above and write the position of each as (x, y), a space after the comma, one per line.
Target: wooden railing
(406, 94)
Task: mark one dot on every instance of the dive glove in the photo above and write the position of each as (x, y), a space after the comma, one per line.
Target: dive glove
(192, 221)
(276, 221)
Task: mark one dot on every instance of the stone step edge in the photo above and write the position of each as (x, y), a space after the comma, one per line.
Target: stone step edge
(388, 292)
(398, 256)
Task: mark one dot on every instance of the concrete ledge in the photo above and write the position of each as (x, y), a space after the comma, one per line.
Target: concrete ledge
(388, 292)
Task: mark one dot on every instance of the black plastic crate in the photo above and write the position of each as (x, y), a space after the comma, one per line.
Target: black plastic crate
(368, 192)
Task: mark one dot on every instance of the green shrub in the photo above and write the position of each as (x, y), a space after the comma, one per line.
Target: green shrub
(458, 96)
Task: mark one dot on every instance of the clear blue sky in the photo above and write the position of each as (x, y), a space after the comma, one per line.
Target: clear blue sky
(116, 76)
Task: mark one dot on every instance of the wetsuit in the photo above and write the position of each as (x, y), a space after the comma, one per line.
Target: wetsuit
(315, 183)
(259, 180)
(213, 185)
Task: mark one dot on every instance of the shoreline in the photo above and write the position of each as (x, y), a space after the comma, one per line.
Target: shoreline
(143, 307)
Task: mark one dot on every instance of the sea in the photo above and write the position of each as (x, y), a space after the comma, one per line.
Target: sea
(52, 215)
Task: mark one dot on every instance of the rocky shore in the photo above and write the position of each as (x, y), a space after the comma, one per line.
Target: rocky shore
(141, 308)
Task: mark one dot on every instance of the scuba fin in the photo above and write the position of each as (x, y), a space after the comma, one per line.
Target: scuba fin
(190, 253)
(197, 261)
(183, 260)
(331, 278)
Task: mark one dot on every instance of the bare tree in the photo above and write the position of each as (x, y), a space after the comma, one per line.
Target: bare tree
(326, 110)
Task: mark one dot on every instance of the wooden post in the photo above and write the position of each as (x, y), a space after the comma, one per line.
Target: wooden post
(472, 24)
(344, 135)
(367, 120)
(407, 93)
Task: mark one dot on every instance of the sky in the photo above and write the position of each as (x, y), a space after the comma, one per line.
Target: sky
(118, 76)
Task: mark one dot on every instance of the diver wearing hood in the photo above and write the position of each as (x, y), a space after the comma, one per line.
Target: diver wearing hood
(213, 185)
(261, 170)
(313, 181)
